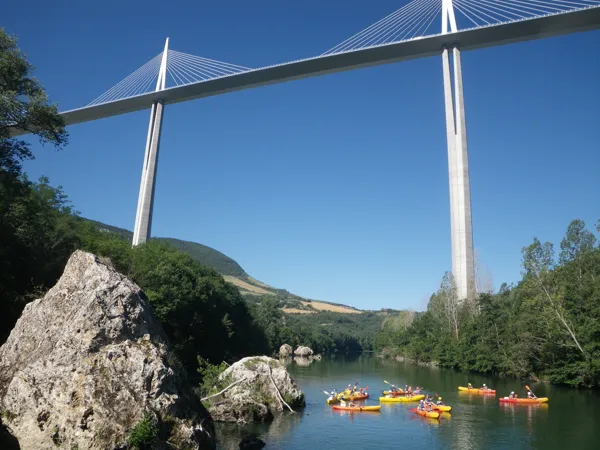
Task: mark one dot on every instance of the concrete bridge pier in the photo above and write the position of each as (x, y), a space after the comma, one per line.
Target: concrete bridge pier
(143, 217)
(461, 226)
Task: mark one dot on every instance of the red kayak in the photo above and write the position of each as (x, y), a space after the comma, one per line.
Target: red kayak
(356, 408)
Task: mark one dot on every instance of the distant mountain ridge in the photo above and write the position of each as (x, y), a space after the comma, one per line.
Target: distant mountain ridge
(233, 273)
(202, 253)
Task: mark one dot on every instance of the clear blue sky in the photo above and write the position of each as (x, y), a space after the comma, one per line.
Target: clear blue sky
(333, 187)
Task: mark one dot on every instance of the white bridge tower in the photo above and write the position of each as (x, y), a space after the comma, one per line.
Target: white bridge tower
(461, 226)
(143, 216)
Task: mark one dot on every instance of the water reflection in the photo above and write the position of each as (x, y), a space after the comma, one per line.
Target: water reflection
(302, 361)
(476, 422)
(229, 435)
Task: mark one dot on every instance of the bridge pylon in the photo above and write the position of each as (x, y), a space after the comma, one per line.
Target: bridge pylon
(143, 216)
(461, 226)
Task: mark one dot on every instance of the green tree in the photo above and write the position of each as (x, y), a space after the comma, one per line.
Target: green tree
(24, 106)
(34, 229)
(578, 240)
(538, 265)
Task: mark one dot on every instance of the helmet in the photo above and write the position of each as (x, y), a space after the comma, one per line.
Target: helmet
(512, 392)
(483, 384)
(439, 398)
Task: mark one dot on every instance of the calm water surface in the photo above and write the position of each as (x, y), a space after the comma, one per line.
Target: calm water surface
(570, 420)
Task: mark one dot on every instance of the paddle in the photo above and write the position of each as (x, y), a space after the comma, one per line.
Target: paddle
(387, 382)
(529, 389)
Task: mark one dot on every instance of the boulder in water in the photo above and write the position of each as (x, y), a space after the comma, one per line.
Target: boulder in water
(88, 362)
(258, 386)
(285, 350)
(303, 351)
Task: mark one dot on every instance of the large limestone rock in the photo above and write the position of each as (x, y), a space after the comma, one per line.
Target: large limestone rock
(285, 350)
(303, 351)
(87, 362)
(254, 398)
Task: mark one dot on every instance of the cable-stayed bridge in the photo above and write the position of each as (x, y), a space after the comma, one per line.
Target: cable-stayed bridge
(420, 28)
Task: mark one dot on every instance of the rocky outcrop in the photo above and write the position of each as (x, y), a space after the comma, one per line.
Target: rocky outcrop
(285, 350)
(262, 385)
(88, 361)
(303, 351)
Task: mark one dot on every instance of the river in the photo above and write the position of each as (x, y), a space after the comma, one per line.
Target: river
(570, 419)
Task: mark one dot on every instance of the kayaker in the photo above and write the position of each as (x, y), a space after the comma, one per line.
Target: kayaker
(439, 401)
(417, 390)
(422, 405)
(469, 386)
(485, 388)
(512, 395)
(347, 404)
(393, 388)
(406, 388)
(409, 390)
(428, 403)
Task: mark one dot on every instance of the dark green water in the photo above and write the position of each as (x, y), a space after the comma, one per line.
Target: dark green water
(570, 420)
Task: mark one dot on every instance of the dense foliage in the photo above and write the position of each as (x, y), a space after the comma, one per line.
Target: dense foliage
(33, 233)
(547, 326)
(324, 332)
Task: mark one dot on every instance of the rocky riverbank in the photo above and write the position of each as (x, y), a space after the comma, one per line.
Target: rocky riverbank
(389, 354)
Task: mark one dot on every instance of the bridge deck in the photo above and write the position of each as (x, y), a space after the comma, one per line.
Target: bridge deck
(547, 26)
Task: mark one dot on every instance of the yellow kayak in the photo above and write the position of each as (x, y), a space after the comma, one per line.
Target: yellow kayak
(442, 408)
(413, 398)
(331, 401)
(431, 414)
(524, 400)
(476, 390)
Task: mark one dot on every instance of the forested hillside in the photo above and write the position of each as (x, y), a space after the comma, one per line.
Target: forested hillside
(201, 253)
(547, 326)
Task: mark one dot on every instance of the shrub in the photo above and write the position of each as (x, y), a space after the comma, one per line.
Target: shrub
(144, 434)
